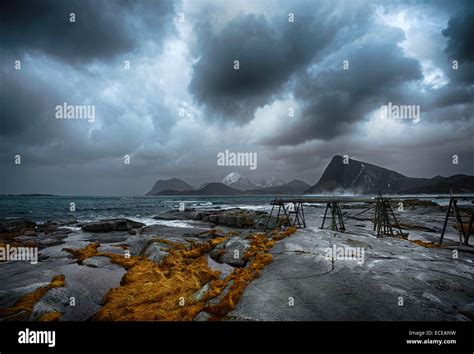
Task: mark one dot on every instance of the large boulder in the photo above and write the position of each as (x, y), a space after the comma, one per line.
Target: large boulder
(112, 225)
(233, 218)
(17, 226)
(175, 215)
(237, 218)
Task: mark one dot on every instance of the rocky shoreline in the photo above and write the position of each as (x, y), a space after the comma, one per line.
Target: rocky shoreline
(88, 280)
(225, 267)
(235, 217)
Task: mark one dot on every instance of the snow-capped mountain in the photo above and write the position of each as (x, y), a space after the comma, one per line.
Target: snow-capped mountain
(237, 181)
(270, 182)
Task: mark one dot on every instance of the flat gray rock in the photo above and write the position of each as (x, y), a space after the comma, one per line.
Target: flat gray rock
(467, 310)
(225, 269)
(155, 252)
(55, 299)
(301, 284)
(231, 252)
(100, 262)
(88, 286)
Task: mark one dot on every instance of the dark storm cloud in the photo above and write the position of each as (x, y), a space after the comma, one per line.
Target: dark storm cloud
(269, 52)
(19, 104)
(454, 94)
(334, 98)
(101, 29)
(460, 34)
(281, 64)
(29, 126)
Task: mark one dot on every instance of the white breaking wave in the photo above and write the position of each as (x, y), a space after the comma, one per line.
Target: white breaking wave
(172, 223)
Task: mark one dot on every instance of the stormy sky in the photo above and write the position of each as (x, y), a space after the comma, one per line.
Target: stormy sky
(311, 79)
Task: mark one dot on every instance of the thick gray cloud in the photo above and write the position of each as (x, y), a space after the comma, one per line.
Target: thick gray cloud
(14, 94)
(269, 52)
(398, 52)
(335, 98)
(460, 32)
(102, 29)
(459, 63)
(79, 63)
(454, 94)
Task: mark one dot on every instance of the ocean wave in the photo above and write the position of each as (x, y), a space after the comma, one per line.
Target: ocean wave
(72, 228)
(173, 223)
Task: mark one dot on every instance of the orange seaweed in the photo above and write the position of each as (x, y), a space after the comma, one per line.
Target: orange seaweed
(151, 292)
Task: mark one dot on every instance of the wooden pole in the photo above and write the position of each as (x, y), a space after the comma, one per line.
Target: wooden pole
(302, 213)
(341, 221)
(466, 239)
(446, 220)
(325, 213)
(459, 222)
(333, 216)
(269, 217)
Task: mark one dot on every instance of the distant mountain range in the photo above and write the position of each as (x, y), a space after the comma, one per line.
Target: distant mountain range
(352, 177)
(364, 178)
(233, 184)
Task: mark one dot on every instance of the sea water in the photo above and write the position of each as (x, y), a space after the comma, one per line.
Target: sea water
(44, 208)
